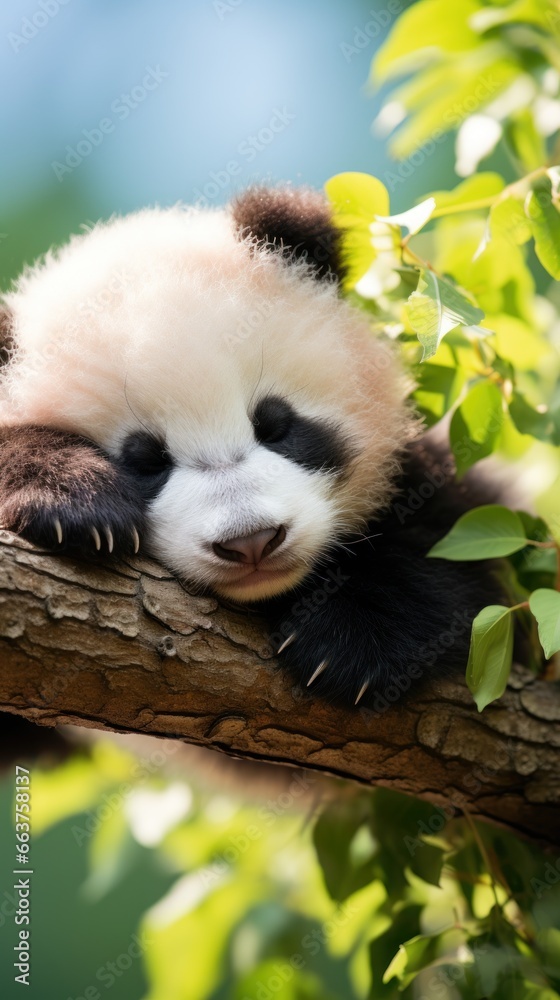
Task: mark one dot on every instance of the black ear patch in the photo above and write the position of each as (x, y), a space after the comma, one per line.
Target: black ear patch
(296, 221)
(6, 342)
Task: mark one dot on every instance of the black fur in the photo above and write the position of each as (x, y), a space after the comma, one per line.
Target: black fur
(377, 610)
(48, 475)
(308, 442)
(145, 458)
(296, 222)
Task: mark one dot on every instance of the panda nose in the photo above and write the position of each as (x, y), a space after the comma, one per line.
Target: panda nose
(250, 548)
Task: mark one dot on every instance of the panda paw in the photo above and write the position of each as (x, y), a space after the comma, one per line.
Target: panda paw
(61, 492)
(68, 529)
(369, 634)
(332, 652)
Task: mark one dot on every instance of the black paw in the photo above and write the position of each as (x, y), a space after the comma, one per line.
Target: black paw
(61, 492)
(331, 649)
(110, 527)
(370, 634)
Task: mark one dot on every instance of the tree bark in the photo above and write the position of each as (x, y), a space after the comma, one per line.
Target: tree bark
(122, 646)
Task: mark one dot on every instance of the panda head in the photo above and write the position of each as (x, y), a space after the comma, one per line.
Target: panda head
(210, 354)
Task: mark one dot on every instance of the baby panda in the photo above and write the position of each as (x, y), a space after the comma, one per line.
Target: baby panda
(189, 383)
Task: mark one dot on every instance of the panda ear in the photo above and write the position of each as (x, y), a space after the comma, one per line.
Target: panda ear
(295, 221)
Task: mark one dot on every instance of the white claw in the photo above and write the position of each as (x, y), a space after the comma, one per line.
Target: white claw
(362, 692)
(109, 537)
(136, 540)
(96, 538)
(318, 671)
(286, 643)
(58, 529)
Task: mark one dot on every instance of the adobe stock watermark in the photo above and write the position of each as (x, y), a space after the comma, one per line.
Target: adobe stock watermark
(550, 879)
(464, 448)
(32, 25)
(248, 149)
(305, 607)
(251, 323)
(240, 843)
(427, 656)
(363, 36)
(434, 480)
(112, 802)
(444, 980)
(71, 334)
(113, 971)
(311, 945)
(121, 108)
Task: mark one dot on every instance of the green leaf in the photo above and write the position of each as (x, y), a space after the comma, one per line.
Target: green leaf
(548, 939)
(535, 567)
(477, 188)
(528, 420)
(427, 863)
(490, 654)
(420, 32)
(333, 836)
(357, 199)
(525, 140)
(535, 527)
(289, 983)
(412, 957)
(518, 342)
(540, 12)
(357, 196)
(508, 220)
(545, 605)
(500, 275)
(532, 992)
(475, 425)
(398, 825)
(554, 417)
(436, 307)
(405, 924)
(541, 208)
(441, 97)
(486, 532)
(438, 386)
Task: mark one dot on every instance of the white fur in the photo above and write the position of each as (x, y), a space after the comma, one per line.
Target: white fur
(165, 320)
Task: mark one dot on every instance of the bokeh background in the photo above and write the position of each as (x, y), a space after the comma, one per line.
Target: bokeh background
(220, 73)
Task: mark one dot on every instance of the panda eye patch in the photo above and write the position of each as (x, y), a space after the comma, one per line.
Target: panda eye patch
(306, 441)
(145, 454)
(272, 419)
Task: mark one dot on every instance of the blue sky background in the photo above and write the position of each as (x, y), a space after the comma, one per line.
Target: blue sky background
(230, 66)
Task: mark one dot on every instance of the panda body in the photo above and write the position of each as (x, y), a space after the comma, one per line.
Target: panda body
(191, 381)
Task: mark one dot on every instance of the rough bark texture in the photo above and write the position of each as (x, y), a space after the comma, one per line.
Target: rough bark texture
(124, 647)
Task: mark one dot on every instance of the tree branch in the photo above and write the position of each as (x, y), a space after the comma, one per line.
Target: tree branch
(122, 646)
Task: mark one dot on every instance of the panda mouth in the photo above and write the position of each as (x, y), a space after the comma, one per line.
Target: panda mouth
(258, 581)
(258, 575)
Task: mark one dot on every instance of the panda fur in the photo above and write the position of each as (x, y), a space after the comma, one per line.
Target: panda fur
(190, 382)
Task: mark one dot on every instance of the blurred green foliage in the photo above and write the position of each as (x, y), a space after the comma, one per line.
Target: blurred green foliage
(452, 282)
(375, 895)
